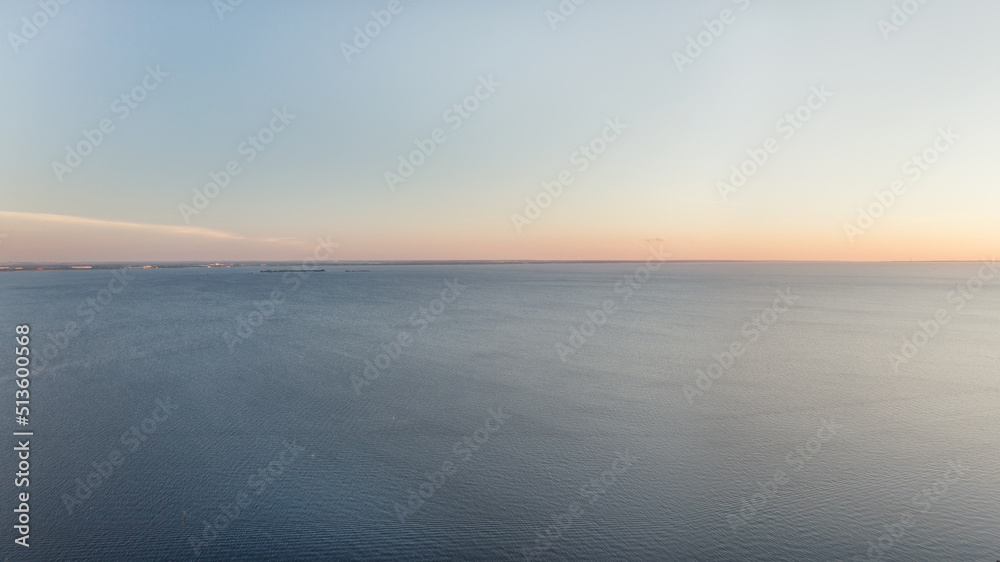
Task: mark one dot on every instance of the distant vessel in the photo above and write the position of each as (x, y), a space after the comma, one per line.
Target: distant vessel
(357, 270)
(292, 270)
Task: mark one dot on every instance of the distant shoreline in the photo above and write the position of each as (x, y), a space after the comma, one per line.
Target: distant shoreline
(77, 266)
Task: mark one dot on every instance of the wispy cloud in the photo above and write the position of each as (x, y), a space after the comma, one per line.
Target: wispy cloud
(98, 223)
(44, 237)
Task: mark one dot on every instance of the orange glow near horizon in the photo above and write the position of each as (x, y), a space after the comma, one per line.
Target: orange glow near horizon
(52, 238)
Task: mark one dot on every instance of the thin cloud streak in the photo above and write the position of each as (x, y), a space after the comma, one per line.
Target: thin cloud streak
(44, 237)
(152, 228)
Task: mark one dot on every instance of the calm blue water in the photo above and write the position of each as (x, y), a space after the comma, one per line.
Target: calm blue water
(692, 465)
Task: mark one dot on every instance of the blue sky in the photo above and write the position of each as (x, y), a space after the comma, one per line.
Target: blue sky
(324, 174)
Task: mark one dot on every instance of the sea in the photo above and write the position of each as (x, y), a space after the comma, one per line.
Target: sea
(618, 411)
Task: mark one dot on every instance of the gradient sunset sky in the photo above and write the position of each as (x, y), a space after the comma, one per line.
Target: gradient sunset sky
(222, 78)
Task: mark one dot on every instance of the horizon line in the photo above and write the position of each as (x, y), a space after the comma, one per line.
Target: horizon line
(83, 265)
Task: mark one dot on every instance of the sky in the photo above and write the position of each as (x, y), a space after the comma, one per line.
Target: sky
(647, 110)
